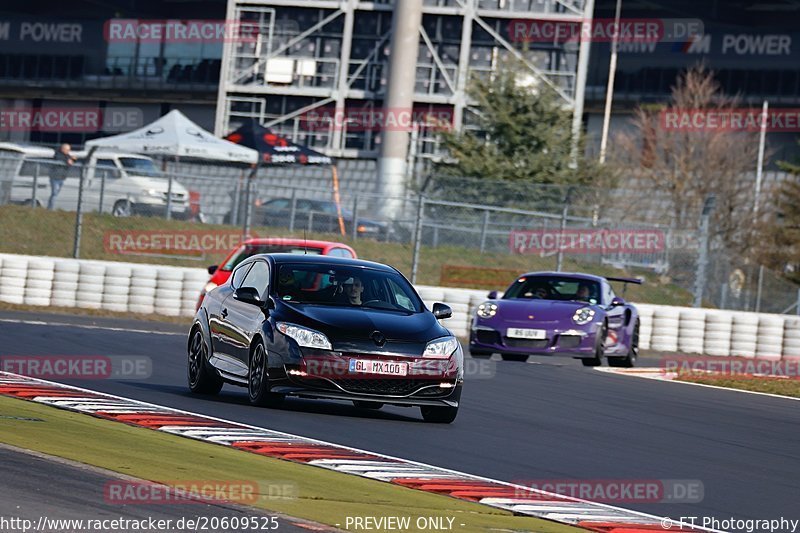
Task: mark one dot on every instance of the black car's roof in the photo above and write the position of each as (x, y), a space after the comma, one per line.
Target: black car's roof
(324, 260)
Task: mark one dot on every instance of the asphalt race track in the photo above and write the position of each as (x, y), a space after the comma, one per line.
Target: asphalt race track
(547, 420)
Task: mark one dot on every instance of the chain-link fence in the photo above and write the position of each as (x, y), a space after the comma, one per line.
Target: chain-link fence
(448, 231)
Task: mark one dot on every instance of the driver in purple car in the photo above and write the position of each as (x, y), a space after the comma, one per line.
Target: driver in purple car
(583, 293)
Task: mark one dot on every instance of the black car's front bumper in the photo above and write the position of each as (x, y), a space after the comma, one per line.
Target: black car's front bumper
(451, 399)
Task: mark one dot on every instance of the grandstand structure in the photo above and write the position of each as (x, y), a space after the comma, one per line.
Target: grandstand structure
(335, 57)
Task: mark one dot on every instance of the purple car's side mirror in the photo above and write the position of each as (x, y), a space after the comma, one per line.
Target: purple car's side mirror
(616, 302)
(493, 295)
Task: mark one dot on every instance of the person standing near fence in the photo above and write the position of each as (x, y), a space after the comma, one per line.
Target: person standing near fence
(58, 172)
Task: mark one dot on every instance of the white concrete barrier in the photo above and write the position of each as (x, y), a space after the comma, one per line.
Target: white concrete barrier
(173, 291)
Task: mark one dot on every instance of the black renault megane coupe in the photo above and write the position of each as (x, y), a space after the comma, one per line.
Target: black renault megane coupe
(326, 327)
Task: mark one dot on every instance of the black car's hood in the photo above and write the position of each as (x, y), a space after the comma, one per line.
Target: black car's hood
(357, 324)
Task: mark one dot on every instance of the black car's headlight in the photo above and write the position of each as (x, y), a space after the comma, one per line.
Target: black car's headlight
(306, 337)
(583, 316)
(487, 310)
(441, 348)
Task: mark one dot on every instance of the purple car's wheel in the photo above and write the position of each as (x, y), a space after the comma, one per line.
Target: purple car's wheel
(477, 354)
(201, 380)
(599, 348)
(629, 361)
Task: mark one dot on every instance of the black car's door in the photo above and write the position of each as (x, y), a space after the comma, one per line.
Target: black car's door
(243, 320)
(218, 321)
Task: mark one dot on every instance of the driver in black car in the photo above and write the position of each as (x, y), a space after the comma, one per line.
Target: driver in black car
(353, 288)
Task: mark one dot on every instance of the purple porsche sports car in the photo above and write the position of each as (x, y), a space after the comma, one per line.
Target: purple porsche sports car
(556, 313)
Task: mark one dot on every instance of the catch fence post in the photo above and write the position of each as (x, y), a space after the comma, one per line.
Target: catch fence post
(417, 239)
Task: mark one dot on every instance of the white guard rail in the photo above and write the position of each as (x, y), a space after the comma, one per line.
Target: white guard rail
(173, 291)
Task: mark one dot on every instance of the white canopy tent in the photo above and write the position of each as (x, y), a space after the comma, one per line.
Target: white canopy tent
(174, 135)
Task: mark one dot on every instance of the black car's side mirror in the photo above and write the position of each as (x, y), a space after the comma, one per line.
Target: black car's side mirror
(249, 295)
(617, 301)
(212, 269)
(442, 311)
(492, 295)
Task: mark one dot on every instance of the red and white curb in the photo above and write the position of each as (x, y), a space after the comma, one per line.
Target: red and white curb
(516, 498)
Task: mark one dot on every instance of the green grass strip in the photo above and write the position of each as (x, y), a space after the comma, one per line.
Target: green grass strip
(321, 495)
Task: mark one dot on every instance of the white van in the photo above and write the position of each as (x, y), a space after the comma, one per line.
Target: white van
(125, 184)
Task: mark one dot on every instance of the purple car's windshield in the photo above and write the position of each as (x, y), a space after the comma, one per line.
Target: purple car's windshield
(554, 288)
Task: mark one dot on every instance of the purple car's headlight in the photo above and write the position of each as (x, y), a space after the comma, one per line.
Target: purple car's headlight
(583, 316)
(487, 310)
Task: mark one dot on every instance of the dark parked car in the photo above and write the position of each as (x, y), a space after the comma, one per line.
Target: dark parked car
(315, 215)
(326, 327)
(554, 313)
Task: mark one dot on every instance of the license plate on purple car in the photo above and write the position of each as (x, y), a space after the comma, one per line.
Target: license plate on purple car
(524, 333)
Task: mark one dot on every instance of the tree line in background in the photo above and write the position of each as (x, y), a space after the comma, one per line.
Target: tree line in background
(522, 135)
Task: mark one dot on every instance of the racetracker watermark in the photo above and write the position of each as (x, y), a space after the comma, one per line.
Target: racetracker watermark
(616, 490)
(71, 119)
(196, 491)
(587, 241)
(78, 366)
(182, 242)
(648, 30)
(745, 120)
(732, 367)
(180, 31)
(438, 118)
(420, 368)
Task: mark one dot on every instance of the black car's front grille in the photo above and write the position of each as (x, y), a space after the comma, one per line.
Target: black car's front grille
(485, 336)
(377, 386)
(389, 387)
(527, 343)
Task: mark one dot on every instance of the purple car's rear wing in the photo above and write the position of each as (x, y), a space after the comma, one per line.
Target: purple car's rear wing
(626, 280)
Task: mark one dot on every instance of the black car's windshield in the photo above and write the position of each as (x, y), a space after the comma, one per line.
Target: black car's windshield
(248, 250)
(347, 287)
(554, 288)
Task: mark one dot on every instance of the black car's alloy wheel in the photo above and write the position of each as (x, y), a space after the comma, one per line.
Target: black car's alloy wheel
(438, 415)
(201, 379)
(258, 380)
